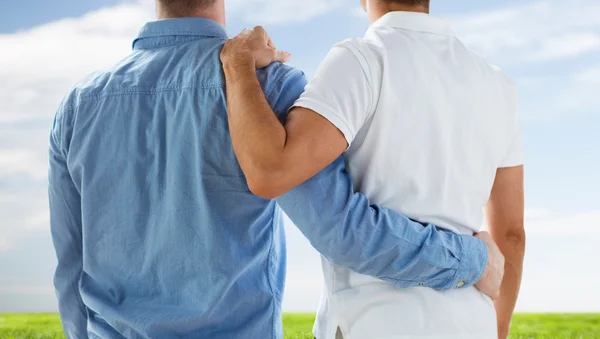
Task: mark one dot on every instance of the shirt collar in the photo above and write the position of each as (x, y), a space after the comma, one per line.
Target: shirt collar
(153, 34)
(415, 21)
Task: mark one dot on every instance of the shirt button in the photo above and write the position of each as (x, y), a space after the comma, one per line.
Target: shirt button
(460, 284)
(421, 284)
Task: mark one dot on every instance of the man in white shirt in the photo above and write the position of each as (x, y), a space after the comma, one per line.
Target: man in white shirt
(428, 129)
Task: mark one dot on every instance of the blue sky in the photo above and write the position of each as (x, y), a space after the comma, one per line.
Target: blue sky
(550, 48)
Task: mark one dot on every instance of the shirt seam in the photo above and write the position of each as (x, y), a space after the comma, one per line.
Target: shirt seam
(179, 43)
(153, 34)
(270, 269)
(129, 92)
(328, 113)
(418, 30)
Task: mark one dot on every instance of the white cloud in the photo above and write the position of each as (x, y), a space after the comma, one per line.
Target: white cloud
(39, 220)
(582, 91)
(45, 61)
(304, 281)
(29, 290)
(359, 12)
(4, 243)
(536, 213)
(568, 45)
(280, 11)
(20, 161)
(586, 223)
(562, 95)
(532, 32)
(589, 76)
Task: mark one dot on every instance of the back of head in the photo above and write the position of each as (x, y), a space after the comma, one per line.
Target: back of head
(183, 8)
(409, 3)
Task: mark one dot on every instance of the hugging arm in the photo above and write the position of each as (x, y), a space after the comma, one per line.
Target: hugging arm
(339, 223)
(376, 241)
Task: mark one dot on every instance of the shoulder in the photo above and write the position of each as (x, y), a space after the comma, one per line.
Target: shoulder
(492, 70)
(494, 75)
(86, 88)
(365, 48)
(507, 89)
(504, 80)
(368, 52)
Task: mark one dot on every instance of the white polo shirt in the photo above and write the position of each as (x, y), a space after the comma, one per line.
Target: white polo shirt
(428, 122)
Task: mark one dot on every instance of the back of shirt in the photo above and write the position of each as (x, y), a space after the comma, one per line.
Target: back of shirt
(156, 232)
(444, 122)
(429, 123)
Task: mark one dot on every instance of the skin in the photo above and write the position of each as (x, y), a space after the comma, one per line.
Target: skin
(505, 214)
(216, 12)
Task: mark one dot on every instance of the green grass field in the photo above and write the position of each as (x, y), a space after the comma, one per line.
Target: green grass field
(298, 326)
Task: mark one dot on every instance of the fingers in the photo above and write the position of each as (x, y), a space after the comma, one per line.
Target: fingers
(483, 235)
(245, 32)
(260, 30)
(495, 296)
(281, 56)
(256, 44)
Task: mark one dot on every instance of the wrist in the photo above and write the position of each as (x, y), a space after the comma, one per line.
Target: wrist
(473, 261)
(238, 61)
(503, 332)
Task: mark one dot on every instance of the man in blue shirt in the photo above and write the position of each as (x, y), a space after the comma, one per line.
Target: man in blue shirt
(156, 232)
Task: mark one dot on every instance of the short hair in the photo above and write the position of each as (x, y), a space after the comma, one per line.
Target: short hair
(424, 3)
(185, 7)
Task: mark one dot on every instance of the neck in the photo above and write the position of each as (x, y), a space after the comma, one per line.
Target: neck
(377, 9)
(215, 12)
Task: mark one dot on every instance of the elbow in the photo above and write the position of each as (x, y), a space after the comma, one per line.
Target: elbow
(264, 183)
(517, 237)
(263, 189)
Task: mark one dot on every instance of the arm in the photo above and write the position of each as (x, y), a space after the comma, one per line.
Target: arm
(505, 214)
(376, 241)
(275, 158)
(65, 224)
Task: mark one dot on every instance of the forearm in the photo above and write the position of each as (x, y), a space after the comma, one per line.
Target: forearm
(379, 242)
(73, 312)
(513, 248)
(66, 236)
(257, 135)
(67, 240)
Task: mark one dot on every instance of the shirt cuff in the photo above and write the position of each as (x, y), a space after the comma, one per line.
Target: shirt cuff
(515, 161)
(473, 261)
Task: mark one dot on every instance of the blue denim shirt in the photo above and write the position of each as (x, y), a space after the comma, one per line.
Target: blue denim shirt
(156, 232)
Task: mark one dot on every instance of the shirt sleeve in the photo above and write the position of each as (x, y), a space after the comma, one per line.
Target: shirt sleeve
(515, 155)
(348, 231)
(341, 90)
(65, 225)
